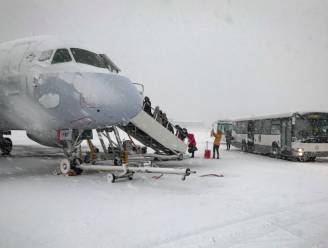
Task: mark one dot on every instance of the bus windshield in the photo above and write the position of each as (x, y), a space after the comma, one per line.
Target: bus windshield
(224, 126)
(87, 57)
(312, 128)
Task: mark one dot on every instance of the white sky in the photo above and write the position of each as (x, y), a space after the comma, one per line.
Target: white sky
(199, 60)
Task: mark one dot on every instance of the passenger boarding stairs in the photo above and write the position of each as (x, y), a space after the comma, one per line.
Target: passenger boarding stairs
(153, 134)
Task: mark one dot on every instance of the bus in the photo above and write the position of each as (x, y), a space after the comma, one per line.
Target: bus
(303, 136)
(224, 126)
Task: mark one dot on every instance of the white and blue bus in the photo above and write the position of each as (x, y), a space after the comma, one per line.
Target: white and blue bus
(295, 135)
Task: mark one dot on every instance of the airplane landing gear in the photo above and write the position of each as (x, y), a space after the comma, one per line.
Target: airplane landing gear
(6, 145)
(70, 167)
(64, 166)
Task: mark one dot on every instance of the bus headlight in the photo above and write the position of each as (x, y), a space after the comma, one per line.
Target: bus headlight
(300, 151)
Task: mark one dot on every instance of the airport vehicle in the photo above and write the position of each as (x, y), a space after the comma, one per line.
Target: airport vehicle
(303, 136)
(223, 126)
(57, 90)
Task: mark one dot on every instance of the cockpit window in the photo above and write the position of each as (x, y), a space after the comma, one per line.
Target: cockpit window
(87, 57)
(45, 55)
(61, 56)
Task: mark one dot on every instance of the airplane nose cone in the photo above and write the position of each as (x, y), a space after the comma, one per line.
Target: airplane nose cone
(113, 96)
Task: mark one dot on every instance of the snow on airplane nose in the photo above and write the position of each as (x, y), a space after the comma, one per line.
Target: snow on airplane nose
(87, 99)
(109, 98)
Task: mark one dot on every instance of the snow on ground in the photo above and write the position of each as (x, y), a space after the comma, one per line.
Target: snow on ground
(260, 202)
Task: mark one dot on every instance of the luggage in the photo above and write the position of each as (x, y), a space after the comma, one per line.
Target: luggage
(207, 152)
(192, 149)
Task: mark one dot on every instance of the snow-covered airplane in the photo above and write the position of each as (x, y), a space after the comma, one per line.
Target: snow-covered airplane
(48, 85)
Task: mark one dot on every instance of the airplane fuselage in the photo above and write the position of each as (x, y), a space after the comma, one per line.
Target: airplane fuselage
(47, 84)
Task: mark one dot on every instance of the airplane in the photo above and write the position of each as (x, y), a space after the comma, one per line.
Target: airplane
(48, 85)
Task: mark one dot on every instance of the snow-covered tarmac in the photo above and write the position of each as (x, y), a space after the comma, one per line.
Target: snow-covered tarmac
(260, 202)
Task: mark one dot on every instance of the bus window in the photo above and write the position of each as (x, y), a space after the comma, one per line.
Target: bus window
(258, 126)
(235, 128)
(221, 127)
(311, 128)
(250, 126)
(266, 129)
(229, 127)
(224, 127)
(61, 56)
(243, 126)
(275, 129)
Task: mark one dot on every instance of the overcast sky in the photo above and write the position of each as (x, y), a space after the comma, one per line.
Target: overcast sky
(199, 60)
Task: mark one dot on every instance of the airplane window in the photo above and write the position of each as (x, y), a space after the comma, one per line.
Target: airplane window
(87, 57)
(45, 55)
(61, 56)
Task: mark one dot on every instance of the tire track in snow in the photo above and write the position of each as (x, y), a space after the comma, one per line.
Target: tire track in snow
(248, 228)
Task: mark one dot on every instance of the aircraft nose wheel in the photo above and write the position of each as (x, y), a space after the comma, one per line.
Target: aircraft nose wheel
(70, 168)
(64, 166)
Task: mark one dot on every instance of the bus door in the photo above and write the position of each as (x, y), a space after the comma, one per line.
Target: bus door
(250, 133)
(286, 134)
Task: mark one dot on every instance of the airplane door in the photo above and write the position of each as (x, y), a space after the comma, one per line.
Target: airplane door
(286, 134)
(3, 62)
(13, 82)
(16, 56)
(11, 77)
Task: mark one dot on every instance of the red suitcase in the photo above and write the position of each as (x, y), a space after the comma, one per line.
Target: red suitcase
(207, 152)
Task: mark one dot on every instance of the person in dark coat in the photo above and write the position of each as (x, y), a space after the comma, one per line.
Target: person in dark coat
(160, 117)
(170, 128)
(181, 133)
(156, 111)
(229, 138)
(178, 131)
(184, 134)
(165, 121)
(147, 105)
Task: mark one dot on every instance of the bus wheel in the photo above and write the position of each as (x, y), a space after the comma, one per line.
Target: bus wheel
(303, 159)
(275, 151)
(244, 147)
(312, 159)
(6, 146)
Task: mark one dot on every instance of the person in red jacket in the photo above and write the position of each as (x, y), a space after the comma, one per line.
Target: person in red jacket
(192, 144)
